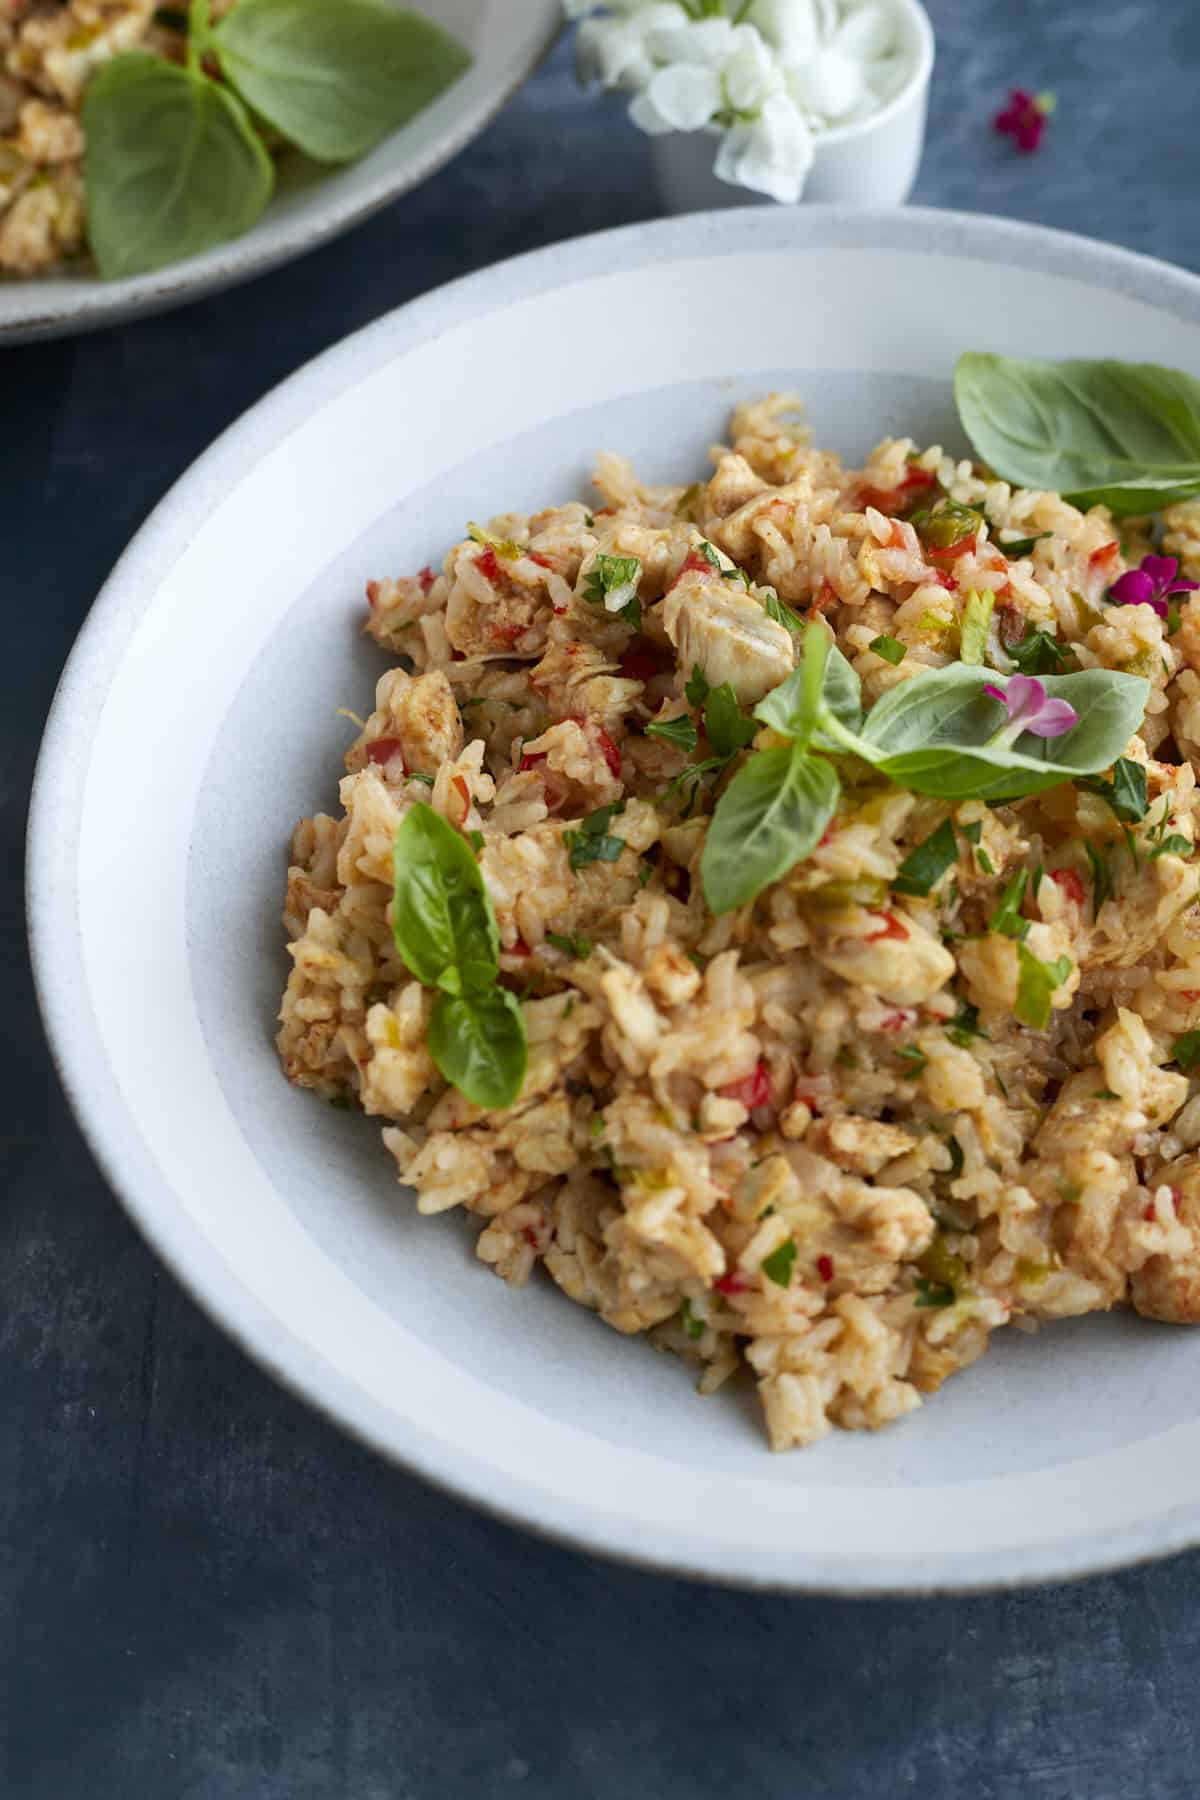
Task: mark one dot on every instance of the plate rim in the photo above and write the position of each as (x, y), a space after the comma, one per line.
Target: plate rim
(228, 265)
(56, 933)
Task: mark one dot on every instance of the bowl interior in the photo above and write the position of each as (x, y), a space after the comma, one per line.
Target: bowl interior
(197, 722)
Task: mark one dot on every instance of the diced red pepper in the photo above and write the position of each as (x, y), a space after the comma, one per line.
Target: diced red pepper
(1176, 1199)
(1190, 993)
(733, 1283)
(825, 596)
(531, 761)
(426, 578)
(1148, 1212)
(827, 836)
(520, 948)
(896, 1021)
(609, 751)
(1104, 555)
(459, 782)
(892, 927)
(488, 565)
(952, 551)
(383, 750)
(1070, 882)
(945, 580)
(825, 1267)
(543, 562)
(753, 1089)
(604, 512)
(694, 563)
(889, 501)
(372, 594)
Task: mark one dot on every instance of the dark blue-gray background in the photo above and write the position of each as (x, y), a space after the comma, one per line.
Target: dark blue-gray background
(205, 1592)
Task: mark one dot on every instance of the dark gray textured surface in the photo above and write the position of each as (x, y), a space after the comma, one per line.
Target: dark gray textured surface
(205, 1592)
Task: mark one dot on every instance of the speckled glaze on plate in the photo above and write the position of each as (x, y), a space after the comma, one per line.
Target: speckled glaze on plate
(196, 721)
(506, 38)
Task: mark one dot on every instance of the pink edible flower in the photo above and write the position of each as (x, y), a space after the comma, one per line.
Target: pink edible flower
(1151, 584)
(1024, 118)
(1029, 706)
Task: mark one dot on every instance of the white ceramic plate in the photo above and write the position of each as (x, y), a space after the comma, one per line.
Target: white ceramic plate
(196, 721)
(505, 37)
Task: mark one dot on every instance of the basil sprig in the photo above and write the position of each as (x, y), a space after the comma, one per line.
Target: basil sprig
(938, 734)
(174, 163)
(445, 928)
(1123, 434)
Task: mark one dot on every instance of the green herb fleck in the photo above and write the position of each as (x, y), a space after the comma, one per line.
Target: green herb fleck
(1038, 653)
(932, 1293)
(572, 944)
(1125, 793)
(1186, 1051)
(697, 686)
(727, 727)
(924, 867)
(680, 731)
(1037, 983)
(1007, 916)
(693, 1326)
(916, 1061)
(611, 582)
(778, 1266)
(775, 609)
(890, 648)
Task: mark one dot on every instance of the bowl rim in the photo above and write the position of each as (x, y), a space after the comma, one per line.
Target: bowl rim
(109, 1125)
(242, 258)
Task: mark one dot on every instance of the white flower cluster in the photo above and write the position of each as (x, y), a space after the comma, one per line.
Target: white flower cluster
(770, 74)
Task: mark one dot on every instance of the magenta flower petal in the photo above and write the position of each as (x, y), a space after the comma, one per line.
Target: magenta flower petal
(1162, 571)
(997, 693)
(1024, 696)
(1052, 719)
(1136, 587)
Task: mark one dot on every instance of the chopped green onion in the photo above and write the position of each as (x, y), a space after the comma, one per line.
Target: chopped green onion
(924, 867)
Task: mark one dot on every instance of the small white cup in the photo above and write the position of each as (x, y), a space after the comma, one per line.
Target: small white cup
(873, 162)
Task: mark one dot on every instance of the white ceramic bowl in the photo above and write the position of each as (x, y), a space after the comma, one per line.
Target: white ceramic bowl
(195, 722)
(871, 163)
(506, 39)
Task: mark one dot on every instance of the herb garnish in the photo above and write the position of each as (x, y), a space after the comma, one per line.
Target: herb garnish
(611, 582)
(1186, 1051)
(924, 867)
(890, 648)
(1125, 793)
(445, 929)
(1037, 982)
(680, 731)
(592, 842)
(778, 1266)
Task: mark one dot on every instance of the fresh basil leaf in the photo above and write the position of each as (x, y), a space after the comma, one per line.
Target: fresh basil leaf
(924, 867)
(890, 648)
(932, 734)
(771, 816)
(680, 731)
(172, 167)
(478, 1042)
(841, 694)
(1007, 917)
(1186, 1051)
(1038, 653)
(1123, 434)
(823, 681)
(335, 80)
(442, 917)
(1125, 793)
(778, 1266)
(1037, 983)
(973, 632)
(726, 725)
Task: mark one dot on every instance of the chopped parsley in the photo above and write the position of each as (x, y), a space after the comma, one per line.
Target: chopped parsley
(592, 842)
(475, 839)
(890, 648)
(1186, 1051)
(342, 1102)
(572, 944)
(1174, 845)
(416, 775)
(1038, 653)
(697, 686)
(693, 1326)
(964, 1025)
(1007, 916)
(1037, 982)
(611, 582)
(775, 609)
(915, 1061)
(972, 832)
(728, 728)
(1015, 548)
(932, 1293)
(680, 731)
(1101, 880)
(1125, 793)
(924, 867)
(778, 1266)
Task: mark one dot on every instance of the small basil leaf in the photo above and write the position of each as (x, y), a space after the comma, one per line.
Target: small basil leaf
(478, 1042)
(172, 166)
(442, 917)
(932, 734)
(1038, 653)
(727, 726)
(924, 867)
(1124, 434)
(1125, 793)
(770, 817)
(335, 80)
(696, 689)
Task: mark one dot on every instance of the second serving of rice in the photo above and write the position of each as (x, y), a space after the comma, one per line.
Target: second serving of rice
(810, 1133)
